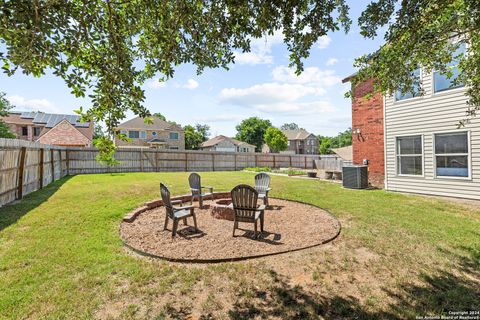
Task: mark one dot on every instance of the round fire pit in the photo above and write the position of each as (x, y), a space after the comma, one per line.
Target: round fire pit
(222, 209)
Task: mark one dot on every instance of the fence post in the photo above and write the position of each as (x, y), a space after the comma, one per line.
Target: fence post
(52, 164)
(67, 159)
(156, 160)
(256, 161)
(41, 168)
(186, 162)
(235, 159)
(141, 160)
(213, 162)
(290, 161)
(21, 169)
(305, 162)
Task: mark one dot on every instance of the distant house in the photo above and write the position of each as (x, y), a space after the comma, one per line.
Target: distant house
(160, 134)
(48, 128)
(226, 144)
(301, 141)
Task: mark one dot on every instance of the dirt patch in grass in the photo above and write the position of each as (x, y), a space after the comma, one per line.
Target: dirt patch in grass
(288, 226)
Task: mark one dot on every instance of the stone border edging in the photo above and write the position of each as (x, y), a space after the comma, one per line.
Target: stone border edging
(219, 195)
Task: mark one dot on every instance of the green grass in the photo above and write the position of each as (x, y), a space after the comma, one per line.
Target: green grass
(397, 256)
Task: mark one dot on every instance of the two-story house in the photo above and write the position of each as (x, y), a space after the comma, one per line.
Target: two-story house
(226, 144)
(301, 141)
(160, 134)
(412, 141)
(49, 128)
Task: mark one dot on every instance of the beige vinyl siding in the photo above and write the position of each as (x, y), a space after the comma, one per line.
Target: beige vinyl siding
(426, 116)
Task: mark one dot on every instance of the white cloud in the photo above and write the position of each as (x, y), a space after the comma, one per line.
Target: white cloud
(261, 50)
(310, 76)
(191, 84)
(288, 94)
(33, 104)
(331, 61)
(267, 93)
(156, 83)
(324, 41)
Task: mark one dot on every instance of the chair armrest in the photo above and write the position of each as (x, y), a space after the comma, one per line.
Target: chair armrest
(268, 189)
(207, 187)
(183, 208)
(176, 202)
(261, 207)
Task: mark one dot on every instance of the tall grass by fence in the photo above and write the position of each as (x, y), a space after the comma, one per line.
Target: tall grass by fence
(29, 166)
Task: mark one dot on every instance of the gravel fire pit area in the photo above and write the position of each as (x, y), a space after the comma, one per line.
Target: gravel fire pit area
(289, 226)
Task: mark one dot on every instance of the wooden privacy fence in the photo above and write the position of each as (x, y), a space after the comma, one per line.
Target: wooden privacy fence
(29, 166)
(331, 163)
(151, 160)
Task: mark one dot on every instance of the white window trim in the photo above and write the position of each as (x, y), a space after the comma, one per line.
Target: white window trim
(128, 134)
(422, 154)
(394, 95)
(170, 136)
(469, 156)
(450, 90)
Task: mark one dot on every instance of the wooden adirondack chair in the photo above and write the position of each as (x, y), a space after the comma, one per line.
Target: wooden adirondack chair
(197, 190)
(244, 200)
(176, 213)
(262, 185)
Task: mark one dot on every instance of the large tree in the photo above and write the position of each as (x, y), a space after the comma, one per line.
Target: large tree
(422, 33)
(252, 130)
(195, 136)
(276, 139)
(108, 49)
(290, 126)
(4, 107)
(342, 139)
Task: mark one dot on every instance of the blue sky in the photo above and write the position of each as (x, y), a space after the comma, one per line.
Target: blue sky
(258, 84)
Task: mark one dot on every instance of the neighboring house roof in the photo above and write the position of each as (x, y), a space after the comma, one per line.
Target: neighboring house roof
(49, 120)
(158, 124)
(64, 134)
(220, 138)
(350, 77)
(298, 134)
(346, 153)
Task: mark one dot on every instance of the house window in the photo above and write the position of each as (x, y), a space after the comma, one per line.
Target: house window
(123, 132)
(288, 143)
(143, 135)
(451, 154)
(36, 131)
(24, 131)
(154, 134)
(441, 81)
(416, 87)
(173, 135)
(409, 155)
(173, 148)
(134, 134)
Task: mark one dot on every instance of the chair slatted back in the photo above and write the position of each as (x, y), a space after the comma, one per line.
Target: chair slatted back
(262, 181)
(166, 199)
(195, 181)
(244, 200)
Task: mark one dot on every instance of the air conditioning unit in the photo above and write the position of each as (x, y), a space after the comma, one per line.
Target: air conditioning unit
(355, 177)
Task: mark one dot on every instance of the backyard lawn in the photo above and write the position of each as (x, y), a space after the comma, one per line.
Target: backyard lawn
(397, 256)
